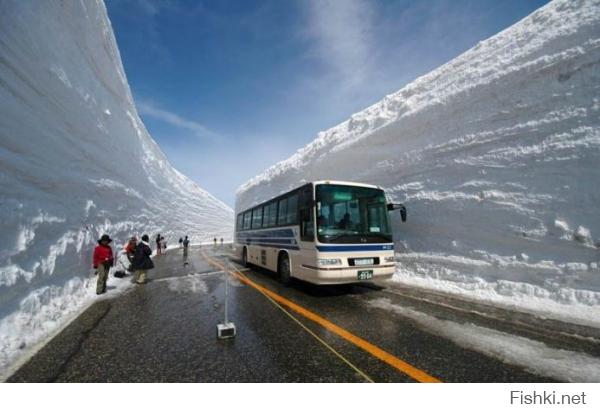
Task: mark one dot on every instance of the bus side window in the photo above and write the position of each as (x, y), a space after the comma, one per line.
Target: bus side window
(257, 217)
(275, 209)
(270, 215)
(247, 220)
(292, 209)
(240, 221)
(282, 216)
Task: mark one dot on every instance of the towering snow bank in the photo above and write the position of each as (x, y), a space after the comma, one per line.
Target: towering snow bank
(496, 155)
(75, 161)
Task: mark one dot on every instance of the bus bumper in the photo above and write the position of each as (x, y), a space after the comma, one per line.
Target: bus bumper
(346, 275)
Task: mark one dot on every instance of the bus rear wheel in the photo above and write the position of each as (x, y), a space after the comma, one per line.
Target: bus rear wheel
(284, 270)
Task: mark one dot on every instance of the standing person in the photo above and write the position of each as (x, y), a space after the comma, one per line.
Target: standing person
(181, 242)
(163, 244)
(215, 242)
(158, 244)
(142, 262)
(186, 244)
(103, 260)
(221, 241)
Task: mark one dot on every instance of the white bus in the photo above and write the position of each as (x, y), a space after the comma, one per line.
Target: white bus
(349, 241)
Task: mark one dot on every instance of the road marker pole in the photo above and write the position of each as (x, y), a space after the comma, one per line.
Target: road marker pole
(226, 329)
(226, 289)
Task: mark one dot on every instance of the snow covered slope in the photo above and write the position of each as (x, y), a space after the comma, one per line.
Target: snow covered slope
(496, 155)
(75, 161)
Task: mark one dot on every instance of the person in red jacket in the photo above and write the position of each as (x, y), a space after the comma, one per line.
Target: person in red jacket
(103, 260)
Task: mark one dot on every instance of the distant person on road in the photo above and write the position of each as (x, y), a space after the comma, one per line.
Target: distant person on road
(221, 241)
(186, 244)
(142, 262)
(215, 242)
(158, 245)
(163, 244)
(103, 260)
(181, 242)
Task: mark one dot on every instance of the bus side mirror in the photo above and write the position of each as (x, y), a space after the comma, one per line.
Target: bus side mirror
(402, 208)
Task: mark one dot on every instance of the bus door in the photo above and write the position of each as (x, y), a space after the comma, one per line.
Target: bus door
(307, 226)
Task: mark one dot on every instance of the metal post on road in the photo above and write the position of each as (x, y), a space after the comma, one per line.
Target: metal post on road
(226, 289)
(226, 329)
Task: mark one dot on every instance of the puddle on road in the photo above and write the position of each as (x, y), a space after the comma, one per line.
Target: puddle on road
(234, 282)
(187, 285)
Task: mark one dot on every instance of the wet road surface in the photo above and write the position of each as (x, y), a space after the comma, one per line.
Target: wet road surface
(165, 331)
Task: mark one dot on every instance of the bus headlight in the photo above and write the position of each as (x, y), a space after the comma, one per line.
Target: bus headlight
(329, 261)
(390, 259)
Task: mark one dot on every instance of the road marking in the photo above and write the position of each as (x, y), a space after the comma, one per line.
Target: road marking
(319, 339)
(301, 324)
(404, 367)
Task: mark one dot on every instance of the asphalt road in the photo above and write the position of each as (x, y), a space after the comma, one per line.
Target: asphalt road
(165, 331)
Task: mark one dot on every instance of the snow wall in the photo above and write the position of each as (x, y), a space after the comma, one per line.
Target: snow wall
(75, 161)
(496, 155)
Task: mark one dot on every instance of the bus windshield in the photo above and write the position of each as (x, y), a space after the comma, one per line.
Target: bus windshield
(352, 214)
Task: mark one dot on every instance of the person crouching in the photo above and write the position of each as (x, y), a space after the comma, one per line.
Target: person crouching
(125, 259)
(142, 262)
(103, 260)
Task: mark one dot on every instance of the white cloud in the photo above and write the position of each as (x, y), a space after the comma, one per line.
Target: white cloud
(343, 32)
(149, 109)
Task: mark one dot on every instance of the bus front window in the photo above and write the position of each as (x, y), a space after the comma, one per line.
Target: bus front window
(351, 214)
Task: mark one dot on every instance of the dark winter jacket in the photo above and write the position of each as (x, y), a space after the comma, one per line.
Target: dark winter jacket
(141, 259)
(103, 255)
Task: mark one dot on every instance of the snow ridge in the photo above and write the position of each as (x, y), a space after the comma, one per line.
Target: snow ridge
(76, 161)
(495, 155)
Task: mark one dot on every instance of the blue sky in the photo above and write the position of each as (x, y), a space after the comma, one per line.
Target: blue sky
(229, 87)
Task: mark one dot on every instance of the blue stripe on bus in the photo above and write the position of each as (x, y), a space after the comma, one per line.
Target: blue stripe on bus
(340, 248)
(269, 239)
(280, 233)
(287, 246)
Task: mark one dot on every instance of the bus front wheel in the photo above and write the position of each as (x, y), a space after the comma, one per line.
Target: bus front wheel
(284, 270)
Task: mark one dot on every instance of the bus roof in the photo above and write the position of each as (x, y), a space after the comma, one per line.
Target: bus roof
(349, 183)
(320, 182)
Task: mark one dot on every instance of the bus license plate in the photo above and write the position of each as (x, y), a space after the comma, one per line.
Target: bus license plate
(364, 261)
(365, 275)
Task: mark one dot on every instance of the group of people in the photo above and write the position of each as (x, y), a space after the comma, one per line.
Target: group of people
(134, 259)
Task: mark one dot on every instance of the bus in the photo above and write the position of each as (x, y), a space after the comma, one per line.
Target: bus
(324, 232)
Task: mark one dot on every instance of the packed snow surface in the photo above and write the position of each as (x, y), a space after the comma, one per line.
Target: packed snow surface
(496, 155)
(534, 356)
(75, 161)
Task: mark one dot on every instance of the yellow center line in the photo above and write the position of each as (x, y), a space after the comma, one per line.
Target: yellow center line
(404, 367)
